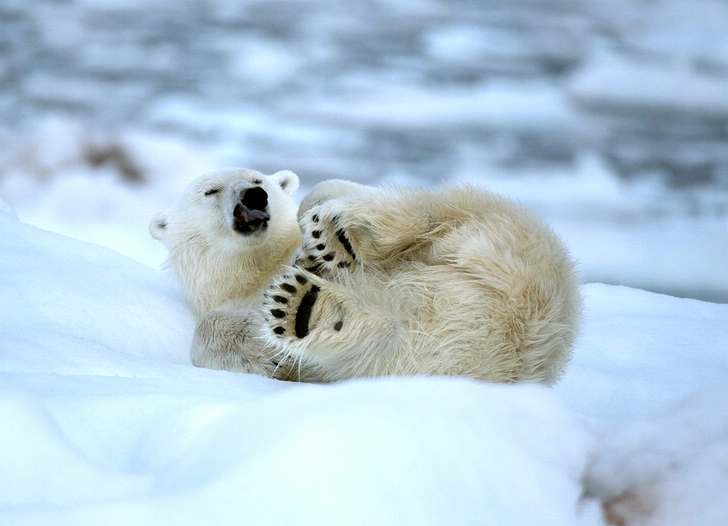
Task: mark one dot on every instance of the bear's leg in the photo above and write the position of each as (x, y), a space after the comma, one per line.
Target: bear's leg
(232, 341)
(367, 227)
(317, 319)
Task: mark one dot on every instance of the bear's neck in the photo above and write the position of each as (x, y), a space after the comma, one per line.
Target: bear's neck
(235, 280)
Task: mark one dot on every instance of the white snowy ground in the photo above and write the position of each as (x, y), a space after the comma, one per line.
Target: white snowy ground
(105, 421)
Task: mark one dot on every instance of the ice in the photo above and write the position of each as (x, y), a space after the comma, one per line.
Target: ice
(628, 84)
(607, 118)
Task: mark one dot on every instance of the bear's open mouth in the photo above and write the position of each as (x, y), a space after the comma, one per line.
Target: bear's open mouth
(250, 214)
(247, 220)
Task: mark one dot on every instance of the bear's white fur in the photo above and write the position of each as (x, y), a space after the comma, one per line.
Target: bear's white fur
(228, 235)
(406, 281)
(388, 281)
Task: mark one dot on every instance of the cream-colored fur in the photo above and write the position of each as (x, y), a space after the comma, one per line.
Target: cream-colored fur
(403, 281)
(387, 282)
(224, 268)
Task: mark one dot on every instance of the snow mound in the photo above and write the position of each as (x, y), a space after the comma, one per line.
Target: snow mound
(105, 421)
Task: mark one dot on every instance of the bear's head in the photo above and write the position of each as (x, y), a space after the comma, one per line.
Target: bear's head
(229, 234)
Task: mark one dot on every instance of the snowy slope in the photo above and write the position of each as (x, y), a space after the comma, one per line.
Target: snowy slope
(105, 421)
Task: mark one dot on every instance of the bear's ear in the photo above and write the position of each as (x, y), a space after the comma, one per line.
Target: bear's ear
(158, 226)
(287, 180)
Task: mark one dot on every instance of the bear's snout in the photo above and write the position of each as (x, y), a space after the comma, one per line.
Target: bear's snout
(250, 214)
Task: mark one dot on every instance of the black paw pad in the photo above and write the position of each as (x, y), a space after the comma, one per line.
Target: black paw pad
(288, 288)
(303, 316)
(345, 243)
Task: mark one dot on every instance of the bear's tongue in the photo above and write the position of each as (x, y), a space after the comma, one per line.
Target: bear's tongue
(246, 215)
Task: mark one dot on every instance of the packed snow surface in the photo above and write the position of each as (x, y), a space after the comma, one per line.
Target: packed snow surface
(105, 420)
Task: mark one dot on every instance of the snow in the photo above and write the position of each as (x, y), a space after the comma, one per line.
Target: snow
(606, 118)
(100, 189)
(667, 459)
(105, 420)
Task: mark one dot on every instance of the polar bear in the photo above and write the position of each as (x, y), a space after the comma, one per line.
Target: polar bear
(401, 281)
(228, 235)
(406, 281)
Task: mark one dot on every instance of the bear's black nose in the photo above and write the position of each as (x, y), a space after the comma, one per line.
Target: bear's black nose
(254, 198)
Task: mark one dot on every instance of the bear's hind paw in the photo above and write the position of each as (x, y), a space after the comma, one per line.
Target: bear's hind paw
(326, 243)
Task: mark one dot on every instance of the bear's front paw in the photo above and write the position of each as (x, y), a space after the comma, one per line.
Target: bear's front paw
(230, 340)
(289, 303)
(326, 242)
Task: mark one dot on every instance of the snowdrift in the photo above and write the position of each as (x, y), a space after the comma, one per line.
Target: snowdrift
(105, 421)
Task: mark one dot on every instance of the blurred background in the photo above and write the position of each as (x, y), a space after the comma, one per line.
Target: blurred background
(607, 117)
